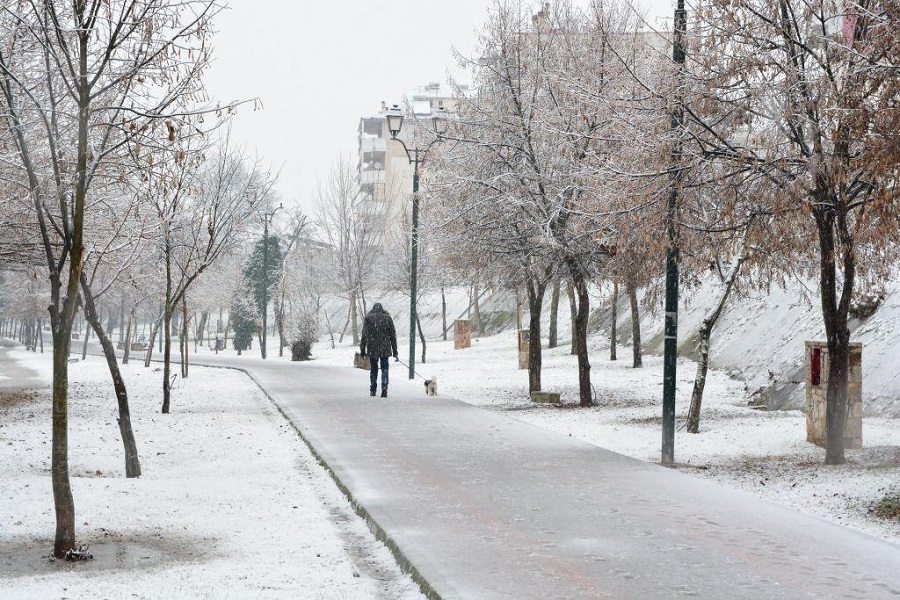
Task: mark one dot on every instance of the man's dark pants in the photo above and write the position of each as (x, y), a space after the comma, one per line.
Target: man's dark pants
(373, 371)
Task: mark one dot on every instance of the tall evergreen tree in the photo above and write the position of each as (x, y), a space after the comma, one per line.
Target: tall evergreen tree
(262, 272)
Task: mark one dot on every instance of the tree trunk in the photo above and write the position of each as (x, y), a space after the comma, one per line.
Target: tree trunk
(354, 326)
(167, 330)
(535, 301)
(476, 307)
(330, 331)
(154, 329)
(279, 319)
(121, 319)
(444, 313)
(64, 503)
(204, 323)
(635, 325)
(554, 314)
(110, 321)
(585, 392)
(263, 333)
(59, 467)
(614, 317)
(421, 337)
(185, 335)
(835, 309)
(573, 312)
(836, 397)
(518, 310)
(227, 327)
(127, 353)
(132, 462)
(705, 333)
(693, 420)
(362, 300)
(84, 346)
(167, 357)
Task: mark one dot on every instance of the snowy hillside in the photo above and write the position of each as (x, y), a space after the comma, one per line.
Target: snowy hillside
(759, 339)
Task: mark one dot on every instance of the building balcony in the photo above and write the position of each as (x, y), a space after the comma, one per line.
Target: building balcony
(371, 176)
(372, 144)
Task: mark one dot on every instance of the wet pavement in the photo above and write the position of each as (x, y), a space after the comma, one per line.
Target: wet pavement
(479, 505)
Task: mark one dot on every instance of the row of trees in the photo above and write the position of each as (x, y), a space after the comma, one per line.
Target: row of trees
(118, 184)
(770, 151)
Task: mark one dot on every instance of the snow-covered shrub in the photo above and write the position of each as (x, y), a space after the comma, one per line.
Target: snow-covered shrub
(866, 303)
(303, 334)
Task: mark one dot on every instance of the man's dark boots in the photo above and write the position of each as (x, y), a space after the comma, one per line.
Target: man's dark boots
(371, 391)
(383, 392)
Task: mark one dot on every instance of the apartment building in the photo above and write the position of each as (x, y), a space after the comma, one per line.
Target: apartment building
(384, 170)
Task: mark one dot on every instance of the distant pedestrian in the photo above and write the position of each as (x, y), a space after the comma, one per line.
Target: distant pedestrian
(379, 343)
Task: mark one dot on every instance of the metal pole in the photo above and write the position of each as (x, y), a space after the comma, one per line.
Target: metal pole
(670, 348)
(265, 303)
(414, 267)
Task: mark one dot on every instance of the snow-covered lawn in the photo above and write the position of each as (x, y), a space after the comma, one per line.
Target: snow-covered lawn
(231, 503)
(762, 452)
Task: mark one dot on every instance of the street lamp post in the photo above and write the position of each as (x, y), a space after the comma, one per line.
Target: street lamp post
(416, 156)
(267, 218)
(670, 345)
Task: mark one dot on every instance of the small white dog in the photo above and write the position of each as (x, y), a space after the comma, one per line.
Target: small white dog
(431, 386)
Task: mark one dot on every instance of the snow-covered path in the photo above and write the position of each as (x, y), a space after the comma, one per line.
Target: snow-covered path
(16, 375)
(481, 505)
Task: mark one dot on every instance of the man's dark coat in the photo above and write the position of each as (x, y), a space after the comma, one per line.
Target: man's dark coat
(378, 335)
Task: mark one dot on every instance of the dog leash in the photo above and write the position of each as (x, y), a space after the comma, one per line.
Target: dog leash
(407, 366)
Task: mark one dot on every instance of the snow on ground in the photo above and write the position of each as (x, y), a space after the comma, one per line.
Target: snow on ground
(231, 503)
(762, 452)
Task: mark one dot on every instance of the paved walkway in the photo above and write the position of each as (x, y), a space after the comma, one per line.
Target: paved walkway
(12, 374)
(480, 505)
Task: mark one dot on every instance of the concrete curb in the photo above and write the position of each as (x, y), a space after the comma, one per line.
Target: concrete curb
(377, 530)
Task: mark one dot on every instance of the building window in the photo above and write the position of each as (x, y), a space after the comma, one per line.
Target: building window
(373, 126)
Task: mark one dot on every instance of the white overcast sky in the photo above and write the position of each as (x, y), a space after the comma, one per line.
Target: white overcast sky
(319, 65)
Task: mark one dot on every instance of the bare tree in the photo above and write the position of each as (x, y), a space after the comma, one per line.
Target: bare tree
(354, 239)
(797, 93)
(536, 140)
(204, 202)
(86, 76)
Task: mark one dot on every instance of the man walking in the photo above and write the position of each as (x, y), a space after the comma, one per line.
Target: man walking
(379, 343)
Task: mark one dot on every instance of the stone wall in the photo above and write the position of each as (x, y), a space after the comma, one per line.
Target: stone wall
(817, 387)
